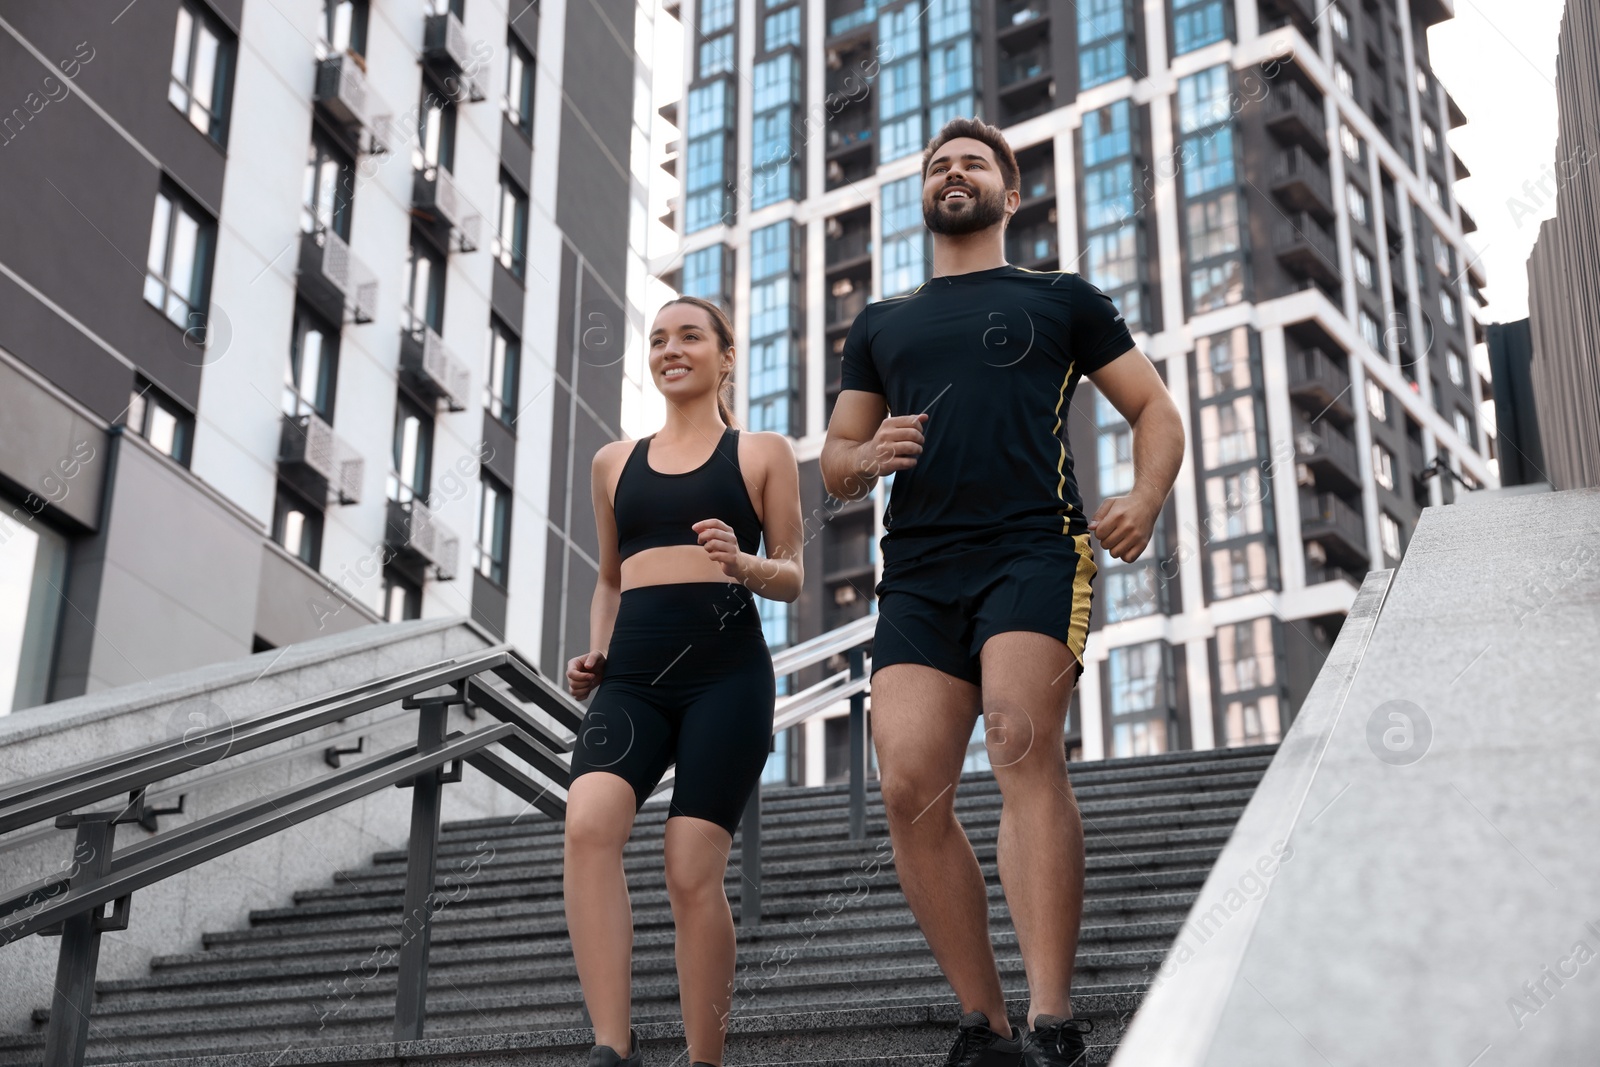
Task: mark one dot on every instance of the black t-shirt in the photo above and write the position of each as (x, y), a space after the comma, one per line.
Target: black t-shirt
(993, 357)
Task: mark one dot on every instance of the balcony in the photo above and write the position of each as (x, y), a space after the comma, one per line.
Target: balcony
(313, 459)
(1033, 246)
(1322, 383)
(1433, 12)
(1020, 23)
(851, 248)
(1295, 117)
(420, 540)
(342, 93)
(435, 195)
(446, 49)
(842, 22)
(1329, 454)
(1303, 13)
(1306, 249)
(1336, 526)
(432, 369)
(1300, 182)
(845, 138)
(1317, 573)
(1024, 67)
(334, 281)
(1038, 183)
(843, 309)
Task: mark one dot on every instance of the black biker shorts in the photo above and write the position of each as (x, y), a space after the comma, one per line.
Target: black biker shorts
(688, 681)
(938, 609)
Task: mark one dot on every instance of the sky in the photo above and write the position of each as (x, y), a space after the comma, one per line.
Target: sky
(1497, 58)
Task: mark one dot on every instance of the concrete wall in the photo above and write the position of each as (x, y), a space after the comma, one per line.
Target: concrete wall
(171, 916)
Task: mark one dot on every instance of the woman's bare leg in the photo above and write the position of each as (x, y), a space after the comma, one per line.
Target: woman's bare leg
(697, 862)
(600, 810)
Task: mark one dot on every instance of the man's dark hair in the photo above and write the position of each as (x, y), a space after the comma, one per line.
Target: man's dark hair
(978, 130)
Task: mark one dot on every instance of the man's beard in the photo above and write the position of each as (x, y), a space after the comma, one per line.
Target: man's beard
(986, 210)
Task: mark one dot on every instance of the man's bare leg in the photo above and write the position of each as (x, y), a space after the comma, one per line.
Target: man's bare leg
(921, 721)
(1027, 685)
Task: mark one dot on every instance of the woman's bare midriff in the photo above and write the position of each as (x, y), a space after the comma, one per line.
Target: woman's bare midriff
(669, 564)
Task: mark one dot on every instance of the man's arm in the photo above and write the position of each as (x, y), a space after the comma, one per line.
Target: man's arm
(862, 445)
(1124, 524)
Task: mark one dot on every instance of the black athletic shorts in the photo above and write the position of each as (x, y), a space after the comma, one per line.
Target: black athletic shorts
(688, 681)
(938, 609)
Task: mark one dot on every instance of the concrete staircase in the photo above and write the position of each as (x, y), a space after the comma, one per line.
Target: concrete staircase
(837, 973)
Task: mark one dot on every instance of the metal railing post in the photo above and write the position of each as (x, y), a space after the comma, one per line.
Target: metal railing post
(750, 862)
(416, 920)
(858, 750)
(68, 1035)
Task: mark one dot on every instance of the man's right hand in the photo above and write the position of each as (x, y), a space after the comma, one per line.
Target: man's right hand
(895, 447)
(584, 673)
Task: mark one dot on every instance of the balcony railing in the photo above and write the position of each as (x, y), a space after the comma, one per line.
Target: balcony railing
(1326, 518)
(343, 94)
(844, 22)
(446, 48)
(334, 281)
(416, 535)
(1301, 182)
(1305, 248)
(313, 457)
(1313, 374)
(432, 369)
(842, 310)
(1293, 115)
(1327, 451)
(1019, 12)
(851, 245)
(434, 192)
(1021, 67)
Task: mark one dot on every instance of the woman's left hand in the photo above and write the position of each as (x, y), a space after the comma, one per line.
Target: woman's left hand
(722, 545)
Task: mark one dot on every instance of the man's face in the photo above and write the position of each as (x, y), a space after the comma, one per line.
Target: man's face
(963, 191)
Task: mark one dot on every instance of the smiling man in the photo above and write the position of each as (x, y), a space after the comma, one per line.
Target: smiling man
(961, 390)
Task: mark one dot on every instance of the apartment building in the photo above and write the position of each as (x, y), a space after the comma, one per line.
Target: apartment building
(311, 316)
(1265, 187)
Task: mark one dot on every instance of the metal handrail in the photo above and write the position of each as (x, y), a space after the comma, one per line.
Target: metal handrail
(71, 904)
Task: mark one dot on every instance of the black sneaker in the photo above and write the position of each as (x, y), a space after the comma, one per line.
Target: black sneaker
(1056, 1042)
(606, 1056)
(978, 1046)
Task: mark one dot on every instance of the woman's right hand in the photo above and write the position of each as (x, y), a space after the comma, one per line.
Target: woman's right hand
(584, 673)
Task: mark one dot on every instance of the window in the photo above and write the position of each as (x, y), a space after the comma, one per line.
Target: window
(1111, 239)
(1245, 656)
(1223, 362)
(1228, 432)
(781, 29)
(703, 274)
(326, 190)
(313, 367)
(1370, 332)
(424, 292)
(1350, 141)
(715, 15)
(344, 28)
(33, 576)
(773, 379)
(1234, 504)
(1131, 591)
(716, 55)
(1203, 99)
(412, 454)
(1447, 308)
(1430, 138)
(1422, 82)
(1377, 401)
(402, 599)
(1389, 534)
(1214, 232)
(1256, 721)
(1383, 466)
(1342, 78)
(1238, 570)
(1457, 369)
(158, 419)
(1363, 268)
(494, 529)
(1434, 192)
(773, 153)
(1463, 426)
(178, 269)
(710, 118)
(905, 264)
(1444, 256)
(1356, 201)
(436, 131)
(1340, 22)
(1140, 720)
(510, 245)
(518, 99)
(1115, 448)
(297, 526)
(1102, 41)
(1197, 23)
(201, 62)
(500, 378)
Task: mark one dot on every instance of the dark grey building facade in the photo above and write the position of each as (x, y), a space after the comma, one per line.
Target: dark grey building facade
(1519, 453)
(292, 323)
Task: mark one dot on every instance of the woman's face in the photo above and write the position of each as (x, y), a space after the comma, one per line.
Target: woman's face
(685, 353)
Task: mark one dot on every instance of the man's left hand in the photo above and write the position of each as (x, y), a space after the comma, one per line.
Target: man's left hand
(1124, 524)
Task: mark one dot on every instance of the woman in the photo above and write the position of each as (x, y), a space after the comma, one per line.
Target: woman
(685, 677)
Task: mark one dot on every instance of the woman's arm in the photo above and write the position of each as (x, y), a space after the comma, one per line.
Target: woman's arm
(780, 574)
(608, 583)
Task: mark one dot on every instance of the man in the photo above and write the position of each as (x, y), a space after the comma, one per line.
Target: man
(960, 390)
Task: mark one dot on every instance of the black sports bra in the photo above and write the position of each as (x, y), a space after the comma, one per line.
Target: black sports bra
(655, 509)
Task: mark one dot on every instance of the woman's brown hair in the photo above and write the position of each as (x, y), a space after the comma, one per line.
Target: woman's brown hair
(724, 329)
